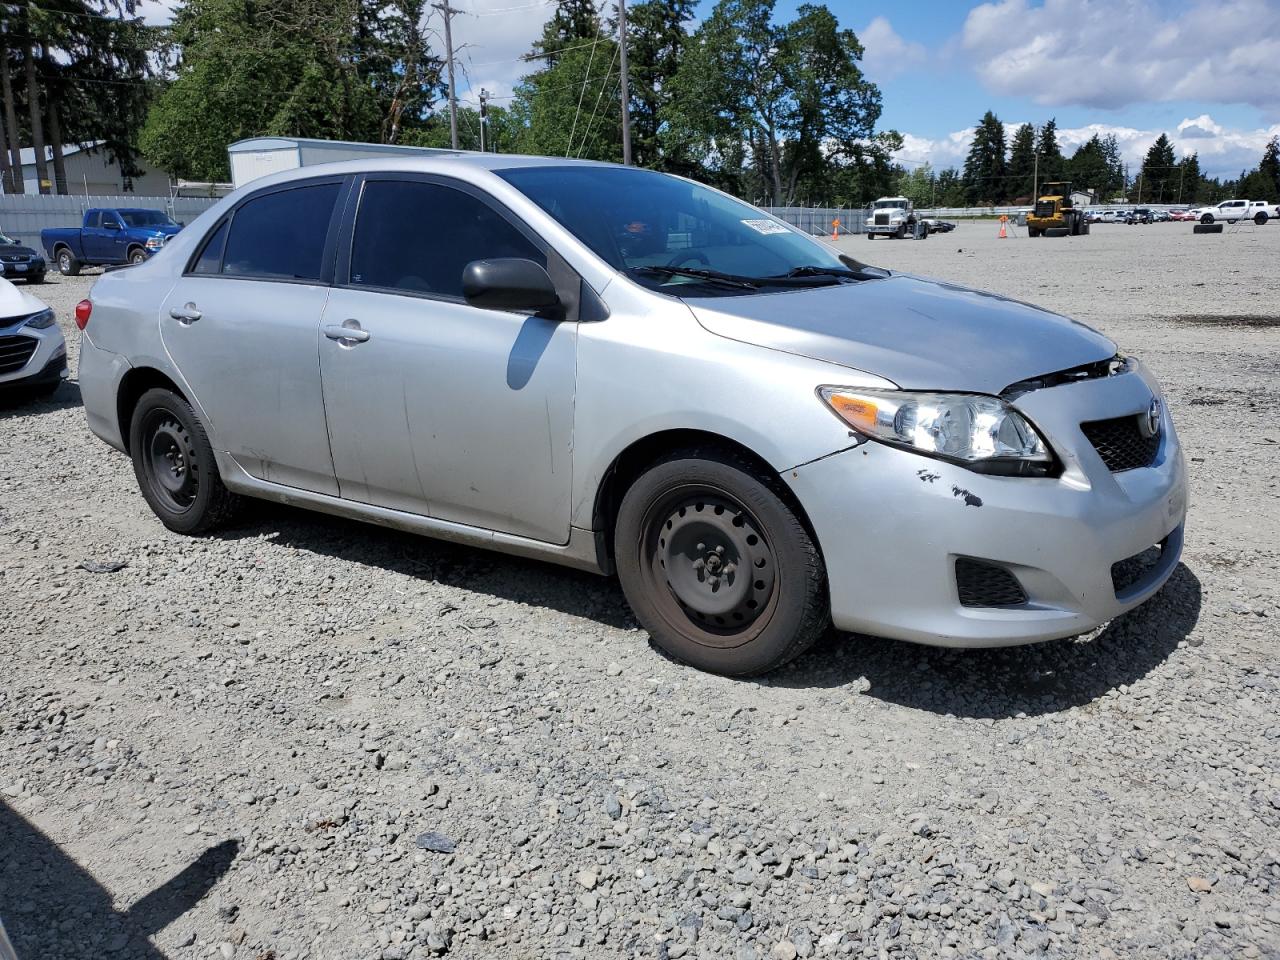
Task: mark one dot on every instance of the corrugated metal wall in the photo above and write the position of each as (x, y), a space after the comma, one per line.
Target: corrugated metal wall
(23, 216)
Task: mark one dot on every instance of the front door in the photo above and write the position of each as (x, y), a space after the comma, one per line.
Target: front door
(103, 238)
(436, 407)
(242, 325)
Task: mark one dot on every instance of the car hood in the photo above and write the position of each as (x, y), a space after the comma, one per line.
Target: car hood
(921, 334)
(15, 303)
(164, 231)
(9, 249)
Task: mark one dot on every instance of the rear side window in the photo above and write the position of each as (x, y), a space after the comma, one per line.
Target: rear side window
(418, 237)
(210, 259)
(281, 235)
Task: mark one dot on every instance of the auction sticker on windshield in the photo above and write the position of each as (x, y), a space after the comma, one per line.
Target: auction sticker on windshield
(766, 226)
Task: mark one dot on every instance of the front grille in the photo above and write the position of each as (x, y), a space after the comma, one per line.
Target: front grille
(14, 258)
(1133, 570)
(882, 219)
(986, 585)
(1121, 444)
(15, 352)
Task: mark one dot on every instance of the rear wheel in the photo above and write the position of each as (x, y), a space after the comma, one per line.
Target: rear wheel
(173, 462)
(1260, 218)
(1032, 232)
(68, 265)
(717, 565)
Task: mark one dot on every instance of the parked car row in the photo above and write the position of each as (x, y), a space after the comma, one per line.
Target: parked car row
(1228, 211)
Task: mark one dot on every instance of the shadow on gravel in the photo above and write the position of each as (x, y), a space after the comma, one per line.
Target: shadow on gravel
(51, 907)
(993, 684)
(521, 580)
(16, 403)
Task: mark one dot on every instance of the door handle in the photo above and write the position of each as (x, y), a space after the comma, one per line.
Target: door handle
(347, 333)
(186, 315)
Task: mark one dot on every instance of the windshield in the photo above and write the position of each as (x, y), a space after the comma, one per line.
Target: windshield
(146, 218)
(8, 241)
(646, 223)
(889, 204)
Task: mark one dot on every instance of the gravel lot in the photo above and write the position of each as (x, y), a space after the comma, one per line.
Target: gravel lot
(313, 738)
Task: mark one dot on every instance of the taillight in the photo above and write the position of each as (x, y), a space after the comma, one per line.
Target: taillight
(83, 309)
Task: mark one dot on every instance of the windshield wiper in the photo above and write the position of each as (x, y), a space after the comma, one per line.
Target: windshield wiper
(812, 272)
(696, 273)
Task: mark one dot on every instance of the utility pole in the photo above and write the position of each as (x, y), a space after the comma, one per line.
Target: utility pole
(448, 12)
(1035, 179)
(484, 114)
(626, 94)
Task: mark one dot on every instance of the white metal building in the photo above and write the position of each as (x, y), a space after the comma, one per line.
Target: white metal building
(91, 172)
(251, 159)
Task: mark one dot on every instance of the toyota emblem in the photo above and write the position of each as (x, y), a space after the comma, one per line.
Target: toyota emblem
(1150, 424)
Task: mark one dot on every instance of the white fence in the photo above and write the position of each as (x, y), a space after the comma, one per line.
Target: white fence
(23, 216)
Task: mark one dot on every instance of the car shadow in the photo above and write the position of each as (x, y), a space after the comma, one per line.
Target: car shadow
(15, 402)
(521, 580)
(1004, 682)
(45, 895)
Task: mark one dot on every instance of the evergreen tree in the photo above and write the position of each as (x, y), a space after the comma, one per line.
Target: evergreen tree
(1022, 163)
(984, 167)
(656, 40)
(1088, 168)
(573, 23)
(1159, 169)
(1269, 169)
(1190, 182)
(1053, 166)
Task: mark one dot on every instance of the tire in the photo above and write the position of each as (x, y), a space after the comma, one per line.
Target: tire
(900, 233)
(68, 265)
(870, 235)
(1032, 232)
(136, 256)
(1260, 218)
(1206, 218)
(685, 513)
(36, 278)
(1084, 228)
(167, 439)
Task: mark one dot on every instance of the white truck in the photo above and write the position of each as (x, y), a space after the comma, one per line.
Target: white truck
(1259, 211)
(894, 217)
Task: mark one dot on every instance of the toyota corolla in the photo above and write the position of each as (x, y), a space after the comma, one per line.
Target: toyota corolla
(629, 372)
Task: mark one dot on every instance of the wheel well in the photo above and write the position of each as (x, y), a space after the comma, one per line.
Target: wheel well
(132, 247)
(635, 459)
(62, 246)
(135, 383)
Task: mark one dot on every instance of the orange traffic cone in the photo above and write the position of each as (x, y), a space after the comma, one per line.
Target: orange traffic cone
(835, 229)
(1003, 235)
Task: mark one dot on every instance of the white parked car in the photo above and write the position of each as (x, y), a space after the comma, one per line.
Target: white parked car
(1233, 211)
(33, 355)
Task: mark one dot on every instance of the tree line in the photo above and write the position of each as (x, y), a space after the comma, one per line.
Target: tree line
(777, 112)
(998, 172)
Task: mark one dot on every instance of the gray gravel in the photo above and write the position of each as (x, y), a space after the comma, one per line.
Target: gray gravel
(312, 738)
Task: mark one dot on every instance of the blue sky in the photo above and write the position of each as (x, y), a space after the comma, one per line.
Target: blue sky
(1206, 72)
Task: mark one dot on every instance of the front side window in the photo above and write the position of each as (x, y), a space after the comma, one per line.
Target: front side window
(648, 224)
(281, 235)
(418, 237)
(146, 218)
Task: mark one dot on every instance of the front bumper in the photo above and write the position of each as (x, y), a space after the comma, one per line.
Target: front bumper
(891, 525)
(47, 362)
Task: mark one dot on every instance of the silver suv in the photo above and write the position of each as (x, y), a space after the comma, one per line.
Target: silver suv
(625, 371)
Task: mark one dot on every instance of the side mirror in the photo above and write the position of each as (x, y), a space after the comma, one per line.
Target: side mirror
(508, 284)
(111, 224)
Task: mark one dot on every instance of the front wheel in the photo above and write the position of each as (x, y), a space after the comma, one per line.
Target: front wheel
(173, 461)
(1207, 218)
(136, 256)
(718, 566)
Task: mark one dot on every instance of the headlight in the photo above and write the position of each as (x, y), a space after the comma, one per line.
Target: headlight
(41, 321)
(978, 432)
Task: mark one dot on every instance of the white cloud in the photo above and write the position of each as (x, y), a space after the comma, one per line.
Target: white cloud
(1223, 151)
(1112, 54)
(492, 36)
(887, 54)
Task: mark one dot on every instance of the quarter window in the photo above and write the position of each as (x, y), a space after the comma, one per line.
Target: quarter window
(281, 235)
(210, 259)
(417, 237)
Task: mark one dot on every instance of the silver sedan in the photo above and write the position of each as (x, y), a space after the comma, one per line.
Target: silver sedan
(628, 372)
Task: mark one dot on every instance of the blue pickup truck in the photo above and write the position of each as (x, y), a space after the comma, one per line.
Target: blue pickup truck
(108, 235)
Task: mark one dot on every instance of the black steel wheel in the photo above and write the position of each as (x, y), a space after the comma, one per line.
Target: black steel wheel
(174, 464)
(718, 566)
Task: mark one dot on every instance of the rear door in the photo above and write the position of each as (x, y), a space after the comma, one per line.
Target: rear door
(242, 325)
(441, 408)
